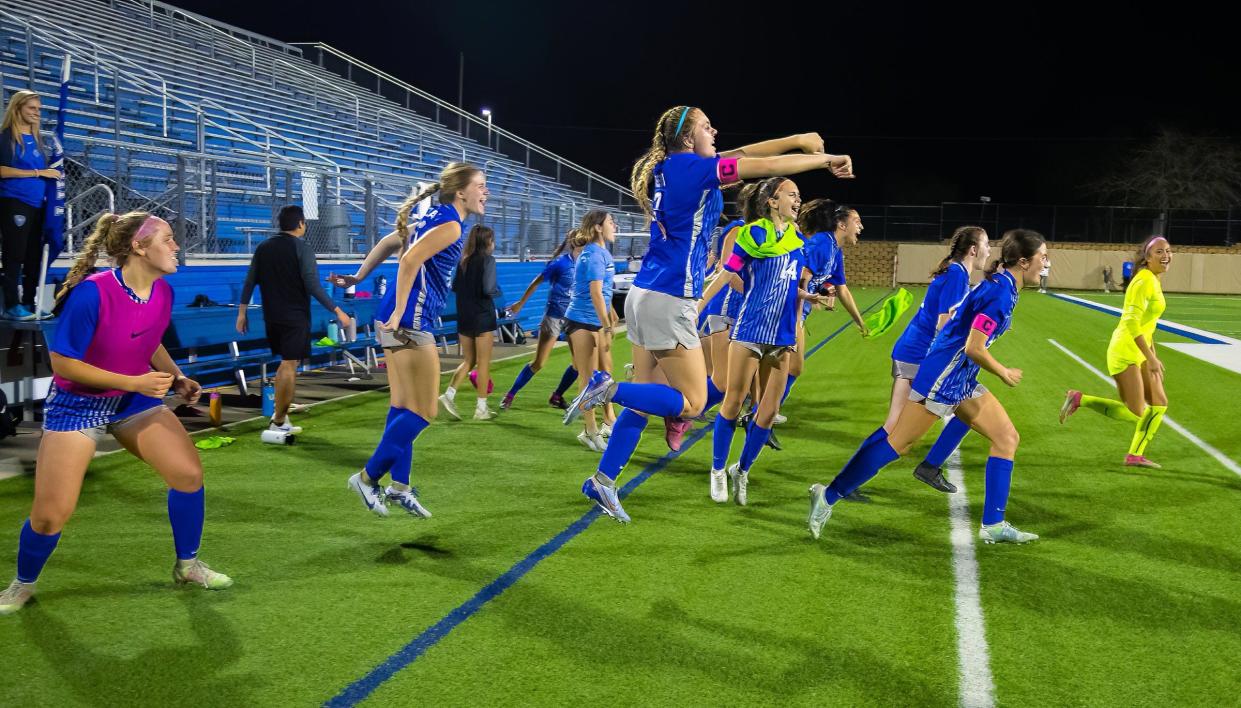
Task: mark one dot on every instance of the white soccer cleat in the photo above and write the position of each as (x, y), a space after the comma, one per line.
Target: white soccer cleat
(286, 427)
(484, 413)
(450, 406)
(15, 597)
(719, 486)
(741, 481)
(196, 572)
(371, 494)
(820, 510)
(779, 419)
(1005, 532)
(601, 443)
(605, 430)
(588, 441)
(408, 501)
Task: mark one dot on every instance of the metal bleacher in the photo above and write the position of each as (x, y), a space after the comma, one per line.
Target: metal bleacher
(215, 126)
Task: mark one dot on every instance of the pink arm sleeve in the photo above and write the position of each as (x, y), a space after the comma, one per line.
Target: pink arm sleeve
(726, 170)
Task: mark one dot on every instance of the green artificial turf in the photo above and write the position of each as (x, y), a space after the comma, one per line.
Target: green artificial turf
(1130, 598)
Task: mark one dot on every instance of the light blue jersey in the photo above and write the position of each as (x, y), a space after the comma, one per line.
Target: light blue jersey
(595, 263)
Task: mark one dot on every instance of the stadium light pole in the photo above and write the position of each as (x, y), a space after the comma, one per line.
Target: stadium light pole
(487, 114)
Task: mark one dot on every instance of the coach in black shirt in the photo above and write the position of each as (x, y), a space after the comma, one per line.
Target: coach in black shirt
(285, 270)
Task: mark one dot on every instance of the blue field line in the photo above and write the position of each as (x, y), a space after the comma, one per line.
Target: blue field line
(1165, 326)
(359, 690)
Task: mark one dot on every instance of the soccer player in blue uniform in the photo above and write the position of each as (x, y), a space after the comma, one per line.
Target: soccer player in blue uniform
(677, 183)
(558, 273)
(406, 317)
(768, 254)
(968, 249)
(828, 226)
(588, 319)
(947, 383)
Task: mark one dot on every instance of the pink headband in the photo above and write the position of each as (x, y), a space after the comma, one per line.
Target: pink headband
(1152, 243)
(148, 227)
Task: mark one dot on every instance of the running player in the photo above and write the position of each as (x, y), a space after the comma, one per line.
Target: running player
(950, 283)
(110, 376)
(947, 383)
(1131, 356)
(768, 254)
(588, 319)
(677, 183)
(558, 273)
(405, 318)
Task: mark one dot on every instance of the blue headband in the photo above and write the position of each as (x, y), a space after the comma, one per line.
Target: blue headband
(681, 122)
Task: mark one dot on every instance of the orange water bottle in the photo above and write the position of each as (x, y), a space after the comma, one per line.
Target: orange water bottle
(216, 409)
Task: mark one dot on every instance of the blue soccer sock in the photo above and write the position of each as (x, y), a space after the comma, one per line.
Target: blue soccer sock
(788, 386)
(949, 439)
(872, 456)
(714, 395)
(33, 550)
(755, 437)
(405, 460)
(995, 499)
(523, 378)
(626, 433)
(185, 513)
(566, 380)
(398, 437)
(721, 441)
(655, 399)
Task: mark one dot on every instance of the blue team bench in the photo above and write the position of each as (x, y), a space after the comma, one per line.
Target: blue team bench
(206, 345)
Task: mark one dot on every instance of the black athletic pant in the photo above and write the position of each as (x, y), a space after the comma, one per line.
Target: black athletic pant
(21, 229)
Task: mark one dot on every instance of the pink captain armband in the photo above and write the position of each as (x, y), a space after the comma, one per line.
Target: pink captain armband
(726, 170)
(734, 263)
(984, 324)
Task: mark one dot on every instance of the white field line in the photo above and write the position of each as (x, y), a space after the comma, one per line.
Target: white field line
(1224, 460)
(977, 685)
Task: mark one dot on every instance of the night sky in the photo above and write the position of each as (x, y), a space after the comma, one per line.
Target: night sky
(1022, 102)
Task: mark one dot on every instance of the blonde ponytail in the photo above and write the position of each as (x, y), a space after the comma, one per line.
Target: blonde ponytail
(407, 206)
(670, 130)
(114, 236)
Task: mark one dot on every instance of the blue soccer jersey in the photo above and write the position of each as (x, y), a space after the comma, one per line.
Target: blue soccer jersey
(595, 263)
(825, 262)
(715, 306)
(947, 291)
(558, 274)
(769, 311)
(947, 375)
(687, 205)
(433, 280)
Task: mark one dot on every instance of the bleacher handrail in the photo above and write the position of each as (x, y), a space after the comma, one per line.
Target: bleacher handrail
(380, 73)
(221, 27)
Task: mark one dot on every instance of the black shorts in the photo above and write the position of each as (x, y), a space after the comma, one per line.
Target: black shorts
(289, 340)
(477, 325)
(571, 326)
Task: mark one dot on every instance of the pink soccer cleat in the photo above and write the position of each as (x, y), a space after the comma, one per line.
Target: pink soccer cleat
(1141, 461)
(1072, 401)
(674, 432)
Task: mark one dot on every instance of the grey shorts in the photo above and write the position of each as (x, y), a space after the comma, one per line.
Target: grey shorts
(714, 325)
(660, 322)
(943, 410)
(551, 327)
(403, 338)
(767, 351)
(904, 370)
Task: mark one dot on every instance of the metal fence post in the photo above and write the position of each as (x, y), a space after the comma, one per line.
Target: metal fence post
(30, 56)
(272, 177)
(178, 227)
(368, 215)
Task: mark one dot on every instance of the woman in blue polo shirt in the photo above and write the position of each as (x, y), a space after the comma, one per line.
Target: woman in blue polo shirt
(23, 193)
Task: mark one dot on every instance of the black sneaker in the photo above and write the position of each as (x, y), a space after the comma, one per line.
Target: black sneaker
(557, 401)
(773, 442)
(934, 476)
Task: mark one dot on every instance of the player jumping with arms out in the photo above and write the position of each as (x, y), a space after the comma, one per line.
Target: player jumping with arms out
(110, 376)
(558, 273)
(1131, 356)
(406, 317)
(968, 249)
(947, 383)
(677, 183)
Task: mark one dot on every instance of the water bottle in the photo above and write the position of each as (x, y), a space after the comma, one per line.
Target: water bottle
(351, 332)
(269, 399)
(216, 408)
(277, 437)
(333, 331)
(381, 286)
